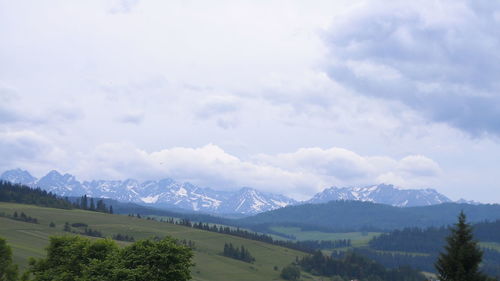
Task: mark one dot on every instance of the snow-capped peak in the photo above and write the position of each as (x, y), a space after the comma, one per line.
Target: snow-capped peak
(382, 193)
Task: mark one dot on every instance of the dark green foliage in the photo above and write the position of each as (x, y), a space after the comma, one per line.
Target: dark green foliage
(8, 271)
(239, 253)
(395, 259)
(290, 272)
(52, 224)
(188, 243)
(92, 232)
(347, 216)
(123, 237)
(354, 266)
(92, 204)
(430, 241)
(71, 258)
(67, 228)
(22, 217)
(101, 207)
(84, 202)
(16, 193)
(304, 246)
(462, 256)
(79, 224)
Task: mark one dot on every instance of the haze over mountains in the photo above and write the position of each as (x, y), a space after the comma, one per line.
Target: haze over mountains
(168, 193)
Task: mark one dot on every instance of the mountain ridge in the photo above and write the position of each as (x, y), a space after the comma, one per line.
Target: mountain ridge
(160, 193)
(168, 193)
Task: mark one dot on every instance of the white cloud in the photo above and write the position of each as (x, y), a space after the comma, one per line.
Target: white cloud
(250, 77)
(299, 174)
(28, 150)
(439, 58)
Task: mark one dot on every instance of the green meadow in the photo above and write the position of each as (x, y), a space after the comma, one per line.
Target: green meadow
(358, 239)
(29, 240)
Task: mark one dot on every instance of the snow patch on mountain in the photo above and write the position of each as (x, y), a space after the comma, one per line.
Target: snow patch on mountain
(383, 194)
(162, 193)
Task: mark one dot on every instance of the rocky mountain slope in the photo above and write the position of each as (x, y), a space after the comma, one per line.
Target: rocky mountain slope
(383, 194)
(161, 193)
(168, 193)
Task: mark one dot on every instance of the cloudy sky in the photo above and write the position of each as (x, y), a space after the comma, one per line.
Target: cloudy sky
(283, 96)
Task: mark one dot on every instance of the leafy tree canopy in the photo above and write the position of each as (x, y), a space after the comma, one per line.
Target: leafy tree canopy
(71, 258)
(8, 271)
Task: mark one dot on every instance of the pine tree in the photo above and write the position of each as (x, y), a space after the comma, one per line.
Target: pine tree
(84, 203)
(462, 256)
(92, 204)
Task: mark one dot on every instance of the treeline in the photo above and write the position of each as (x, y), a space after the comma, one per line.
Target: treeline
(430, 240)
(325, 244)
(239, 253)
(303, 246)
(123, 237)
(422, 262)
(340, 216)
(423, 245)
(86, 203)
(86, 230)
(353, 266)
(19, 217)
(16, 193)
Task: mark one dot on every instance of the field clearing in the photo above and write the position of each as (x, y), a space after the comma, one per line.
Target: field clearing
(358, 239)
(490, 245)
(29, 240)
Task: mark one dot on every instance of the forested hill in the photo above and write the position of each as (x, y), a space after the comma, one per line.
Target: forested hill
(355, 216)
(16, 193)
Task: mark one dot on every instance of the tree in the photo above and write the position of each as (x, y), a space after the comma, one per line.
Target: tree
(92, 204)
(72, 258)
(290, 272)
(84, 202)
(462, 256)
(8, 271)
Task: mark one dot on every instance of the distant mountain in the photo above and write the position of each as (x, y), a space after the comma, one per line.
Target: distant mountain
(18, 176)
(166, 193)
(356, 216)
(383, 194)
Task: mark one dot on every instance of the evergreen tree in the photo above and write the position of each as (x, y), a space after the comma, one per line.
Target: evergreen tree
(84, 204)
(92, 205)
(462, 256)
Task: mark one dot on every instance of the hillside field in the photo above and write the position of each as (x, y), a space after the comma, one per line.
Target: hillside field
(29, 240)
(358, 239)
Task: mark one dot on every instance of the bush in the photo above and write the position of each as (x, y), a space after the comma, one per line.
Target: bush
(290, 272)
(78, 258)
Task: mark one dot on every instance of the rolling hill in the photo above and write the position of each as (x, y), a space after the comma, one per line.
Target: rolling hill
(29, 240)
(338, 216)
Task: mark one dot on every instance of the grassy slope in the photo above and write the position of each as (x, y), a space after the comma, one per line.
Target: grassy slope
(358, 239)
(29, 240)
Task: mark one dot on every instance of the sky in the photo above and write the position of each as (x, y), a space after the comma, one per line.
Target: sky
(287, 97)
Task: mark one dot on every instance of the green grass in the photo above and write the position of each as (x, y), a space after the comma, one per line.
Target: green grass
(358, 239)
(29, 240)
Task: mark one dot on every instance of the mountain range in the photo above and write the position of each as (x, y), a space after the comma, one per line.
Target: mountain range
(168, 193)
